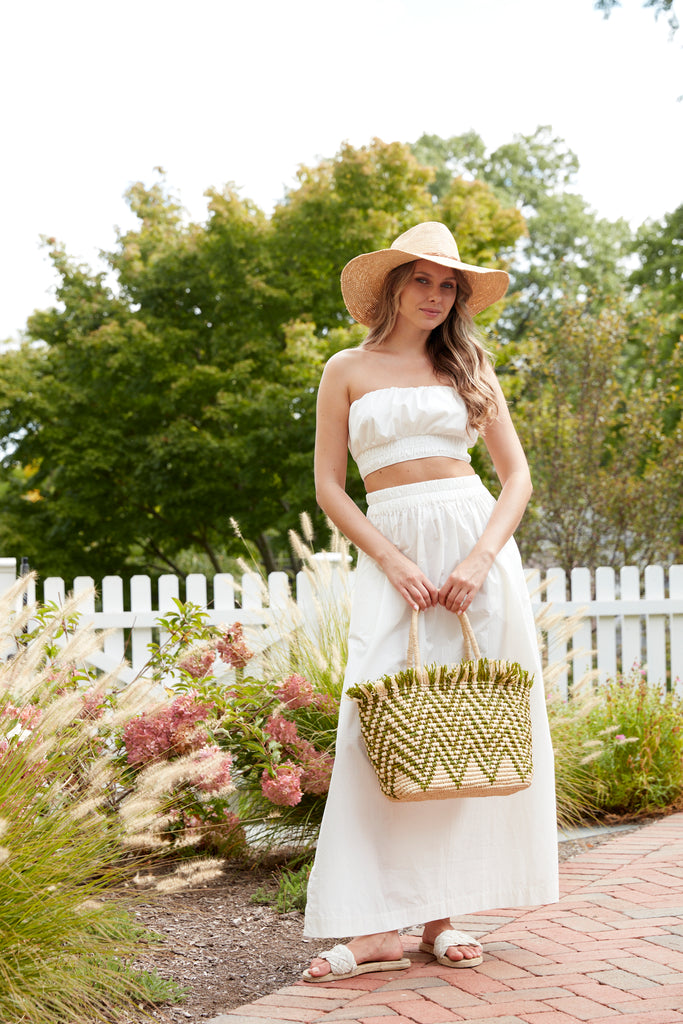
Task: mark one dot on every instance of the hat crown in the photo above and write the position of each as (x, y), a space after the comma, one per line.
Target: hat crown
(428, 239)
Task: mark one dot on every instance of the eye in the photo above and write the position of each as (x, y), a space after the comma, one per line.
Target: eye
(449, 284)
(421, 280)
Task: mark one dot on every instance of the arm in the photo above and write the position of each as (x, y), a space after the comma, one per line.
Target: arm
(330, 481)
(512, 470)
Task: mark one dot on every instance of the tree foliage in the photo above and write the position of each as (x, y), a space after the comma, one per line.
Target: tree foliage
(567, 250)
(605, 450)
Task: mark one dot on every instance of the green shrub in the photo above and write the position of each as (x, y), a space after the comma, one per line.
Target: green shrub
(633, 746)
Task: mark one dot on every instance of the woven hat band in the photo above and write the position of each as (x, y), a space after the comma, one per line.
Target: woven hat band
(442, 255)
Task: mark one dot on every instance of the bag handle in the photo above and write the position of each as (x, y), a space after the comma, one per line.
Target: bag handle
(413, 657)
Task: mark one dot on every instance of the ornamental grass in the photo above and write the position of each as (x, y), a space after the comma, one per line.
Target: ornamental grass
(67, 943)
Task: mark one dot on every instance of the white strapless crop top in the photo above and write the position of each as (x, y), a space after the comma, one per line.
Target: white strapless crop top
(393, 425)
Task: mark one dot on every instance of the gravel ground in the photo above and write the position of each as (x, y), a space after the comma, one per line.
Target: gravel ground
(228, 950)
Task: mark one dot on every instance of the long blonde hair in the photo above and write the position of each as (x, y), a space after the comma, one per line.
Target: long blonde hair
(454, 348)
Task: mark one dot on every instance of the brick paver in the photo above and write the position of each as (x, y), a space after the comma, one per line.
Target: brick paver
(611, 950)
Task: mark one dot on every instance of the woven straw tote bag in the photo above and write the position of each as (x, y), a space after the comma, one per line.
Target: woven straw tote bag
(448, 730)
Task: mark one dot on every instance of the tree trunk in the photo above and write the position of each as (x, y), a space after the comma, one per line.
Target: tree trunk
(266, 553)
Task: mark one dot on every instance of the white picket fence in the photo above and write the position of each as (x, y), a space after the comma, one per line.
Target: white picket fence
(622, 618)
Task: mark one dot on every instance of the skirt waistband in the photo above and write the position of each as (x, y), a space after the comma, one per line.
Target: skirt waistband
(425, 490)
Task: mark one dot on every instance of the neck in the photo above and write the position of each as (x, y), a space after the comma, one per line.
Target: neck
(405, 338)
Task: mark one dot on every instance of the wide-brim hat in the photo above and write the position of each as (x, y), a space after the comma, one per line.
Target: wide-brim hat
(362, 278)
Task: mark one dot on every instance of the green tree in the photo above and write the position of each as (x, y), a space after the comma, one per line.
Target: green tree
(606, 460)
(144, 421)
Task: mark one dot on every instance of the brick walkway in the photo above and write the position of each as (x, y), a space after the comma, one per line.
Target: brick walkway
(612, 947)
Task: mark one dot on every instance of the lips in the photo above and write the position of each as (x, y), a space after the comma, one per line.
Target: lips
(431, 312)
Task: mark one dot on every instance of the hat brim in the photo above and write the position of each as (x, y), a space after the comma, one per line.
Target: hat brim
(362, 279)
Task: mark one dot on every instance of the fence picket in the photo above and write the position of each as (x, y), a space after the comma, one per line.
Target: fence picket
(223, 592)
(54, 591)
(195, 589)
(631, 640)
(582, 640)
(556, 592)
(252, 610)
(112, 604)
(606, 625)
(655, 626)
(141, 636)
(676, 633)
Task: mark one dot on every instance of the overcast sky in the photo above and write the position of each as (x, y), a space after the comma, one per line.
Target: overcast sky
(96, 94)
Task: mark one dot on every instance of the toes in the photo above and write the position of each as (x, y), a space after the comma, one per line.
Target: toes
(319, 968)
(457, 953)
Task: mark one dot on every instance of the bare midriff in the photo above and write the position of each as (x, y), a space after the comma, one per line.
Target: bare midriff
(436, 467)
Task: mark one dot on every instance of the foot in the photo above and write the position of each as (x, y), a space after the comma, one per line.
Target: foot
(454, 953)
(365, 948)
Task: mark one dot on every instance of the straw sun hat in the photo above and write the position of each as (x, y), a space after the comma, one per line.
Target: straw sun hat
(362, 277)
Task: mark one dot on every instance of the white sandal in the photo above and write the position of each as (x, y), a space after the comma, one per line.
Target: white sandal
(343, 965)
(452, 938)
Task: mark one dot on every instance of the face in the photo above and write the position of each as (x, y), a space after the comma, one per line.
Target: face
(428, 297)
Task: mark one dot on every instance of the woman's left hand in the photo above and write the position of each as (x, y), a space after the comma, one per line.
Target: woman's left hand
(464, 582)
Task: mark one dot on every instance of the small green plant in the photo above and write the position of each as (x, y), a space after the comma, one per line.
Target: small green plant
(633, 746)
(291, 892)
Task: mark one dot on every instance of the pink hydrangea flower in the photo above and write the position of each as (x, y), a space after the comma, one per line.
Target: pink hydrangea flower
(93, 707)
(316, 775)
(232, 647)
(153, 734)
(285, 789)
(189, 736)
(295, 692)
(197, 662)
(218, 773)
(29, 715)
(316, 768)
(282, 730)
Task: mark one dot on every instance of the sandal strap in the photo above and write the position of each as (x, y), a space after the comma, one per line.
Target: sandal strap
(452, 938)
(340, 958)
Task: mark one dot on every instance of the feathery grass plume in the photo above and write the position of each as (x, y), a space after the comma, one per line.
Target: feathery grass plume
(65, 953)
(573, 787)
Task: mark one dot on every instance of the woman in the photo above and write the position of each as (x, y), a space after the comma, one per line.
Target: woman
(409, 402)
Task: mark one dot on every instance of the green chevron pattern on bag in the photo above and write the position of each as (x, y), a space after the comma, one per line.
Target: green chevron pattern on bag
(448, 731)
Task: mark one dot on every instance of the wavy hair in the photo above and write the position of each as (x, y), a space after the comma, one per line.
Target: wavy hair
(454, 348)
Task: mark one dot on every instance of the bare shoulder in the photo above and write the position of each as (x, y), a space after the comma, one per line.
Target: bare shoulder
(344, 369)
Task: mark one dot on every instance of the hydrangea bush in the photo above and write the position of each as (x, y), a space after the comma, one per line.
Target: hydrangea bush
(272, 739)
(271, 735)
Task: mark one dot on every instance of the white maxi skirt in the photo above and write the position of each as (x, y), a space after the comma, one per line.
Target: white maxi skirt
(382, 865)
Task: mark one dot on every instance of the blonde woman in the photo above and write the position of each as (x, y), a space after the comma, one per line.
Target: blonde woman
(409, 402)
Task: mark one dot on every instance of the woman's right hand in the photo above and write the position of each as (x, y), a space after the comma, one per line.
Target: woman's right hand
(409, 580)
